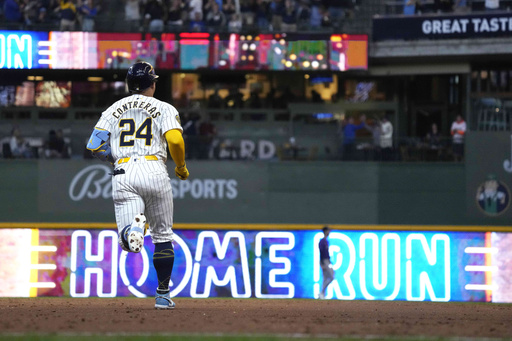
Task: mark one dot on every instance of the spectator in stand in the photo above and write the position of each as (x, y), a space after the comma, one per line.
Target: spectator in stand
(303, 14)
(315, 20)
(410, 7)
(89, 13)
(270, 99)
(190, 135)
(386, 139)
(326, 19)
(208, 7)
(289, 17)
(215, 101)
(336, 9)
(375, 130)
(254, 100)
(434, 144)
(235, 23)
(18, 146)
(461, 6)
(207, 133)
(235, 99)
(67, 13)
(262, 14)
(175, 17)
(195, 7)
(316, 97)
(30, 12)
(349, 137)
(215, 19)
(492, 5)
(12, 12)
(433, 137)
(56, 147)
(230, 7)
(197, 25)
(287, 96)
(132, 14)
(155, 16)
(247, 10)
(277, 10)
(458, 131)
(444, 6)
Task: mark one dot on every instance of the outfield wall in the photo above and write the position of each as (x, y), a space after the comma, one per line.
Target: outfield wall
(79, 191)
(436, 266)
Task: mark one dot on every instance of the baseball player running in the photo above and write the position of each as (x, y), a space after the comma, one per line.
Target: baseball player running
(132, 134)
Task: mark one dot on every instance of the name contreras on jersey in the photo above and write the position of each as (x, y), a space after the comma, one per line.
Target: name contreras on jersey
(136, 105)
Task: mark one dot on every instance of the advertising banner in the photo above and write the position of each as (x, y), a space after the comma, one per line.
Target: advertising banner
(472, 26)
(186, 51)
(368, 265)
(489, 177)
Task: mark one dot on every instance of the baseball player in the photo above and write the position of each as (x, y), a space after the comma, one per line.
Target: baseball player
(133, 135)
(325, 262)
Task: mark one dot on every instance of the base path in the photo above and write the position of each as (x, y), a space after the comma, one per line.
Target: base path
(255, 316)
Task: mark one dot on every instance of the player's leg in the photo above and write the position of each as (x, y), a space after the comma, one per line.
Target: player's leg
(159, 212)
(131, 222)
(163, 260)
(328, 276)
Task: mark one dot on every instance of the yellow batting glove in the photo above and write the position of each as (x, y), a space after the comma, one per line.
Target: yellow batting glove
(182, 172)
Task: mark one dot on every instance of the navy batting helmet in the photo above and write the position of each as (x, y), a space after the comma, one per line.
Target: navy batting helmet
(140, 76)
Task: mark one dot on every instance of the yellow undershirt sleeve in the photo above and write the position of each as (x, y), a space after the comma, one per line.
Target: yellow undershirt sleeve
(176, 146)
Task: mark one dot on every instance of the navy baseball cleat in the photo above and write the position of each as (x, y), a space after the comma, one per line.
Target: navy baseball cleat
(163, 301)
(135, 236)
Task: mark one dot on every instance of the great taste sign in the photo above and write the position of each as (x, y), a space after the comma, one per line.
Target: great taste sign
(442, 27)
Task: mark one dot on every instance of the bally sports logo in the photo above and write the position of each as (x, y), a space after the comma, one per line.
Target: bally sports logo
(95, 181)
(91, 182)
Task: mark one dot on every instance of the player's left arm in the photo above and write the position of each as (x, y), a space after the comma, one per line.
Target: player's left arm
(99, 144)
(176, 145)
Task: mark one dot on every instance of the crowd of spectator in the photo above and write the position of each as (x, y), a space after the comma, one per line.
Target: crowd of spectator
(67, 15)
(235, 15)
(181, 15)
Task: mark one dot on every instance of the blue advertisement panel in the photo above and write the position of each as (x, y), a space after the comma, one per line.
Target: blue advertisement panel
(24, 50)
(368, 265)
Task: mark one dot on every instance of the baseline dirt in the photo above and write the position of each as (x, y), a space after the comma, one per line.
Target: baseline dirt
(253, 316)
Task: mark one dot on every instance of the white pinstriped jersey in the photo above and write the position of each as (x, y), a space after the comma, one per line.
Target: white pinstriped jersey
(137, 125)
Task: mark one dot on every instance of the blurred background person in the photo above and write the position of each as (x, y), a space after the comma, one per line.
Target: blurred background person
(325, 262)
(386, 139)
(68, 15)
(19, 147)
(458, 131)
(89, 12)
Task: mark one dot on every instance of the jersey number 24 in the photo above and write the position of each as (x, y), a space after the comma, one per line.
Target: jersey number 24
(144, 132)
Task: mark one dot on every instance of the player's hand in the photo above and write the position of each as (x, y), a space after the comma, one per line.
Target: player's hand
(182, 172)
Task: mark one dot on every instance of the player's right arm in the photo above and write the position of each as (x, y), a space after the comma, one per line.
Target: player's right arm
(177, 149)
(99, 144)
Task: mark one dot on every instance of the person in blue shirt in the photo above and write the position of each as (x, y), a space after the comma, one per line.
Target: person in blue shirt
(349, 137)
(12, 11)
(325, 262)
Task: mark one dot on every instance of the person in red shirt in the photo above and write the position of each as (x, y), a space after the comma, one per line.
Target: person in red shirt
(458, 130)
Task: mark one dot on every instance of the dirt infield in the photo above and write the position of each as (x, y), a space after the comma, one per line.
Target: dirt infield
(253, 316)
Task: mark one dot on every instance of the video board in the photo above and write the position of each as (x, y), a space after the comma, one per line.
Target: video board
(184, 51)
(368, 265)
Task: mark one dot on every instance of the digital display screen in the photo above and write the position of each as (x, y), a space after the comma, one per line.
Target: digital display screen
(188, 51)
(50, 94)
(7, 95)
(368, 265)
(25, 94)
